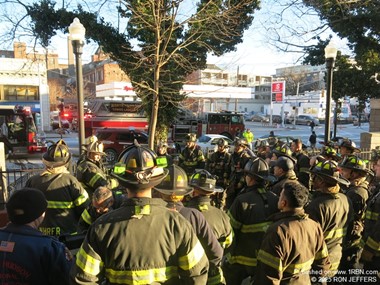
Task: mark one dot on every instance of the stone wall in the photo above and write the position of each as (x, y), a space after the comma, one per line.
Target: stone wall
(371, 139)
(374, 124)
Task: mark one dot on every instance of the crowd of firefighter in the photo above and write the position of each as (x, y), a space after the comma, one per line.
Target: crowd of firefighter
(267, 213)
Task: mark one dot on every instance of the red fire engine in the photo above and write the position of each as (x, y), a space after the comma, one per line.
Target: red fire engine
(223, 123)
(115, 114)
(18, 131)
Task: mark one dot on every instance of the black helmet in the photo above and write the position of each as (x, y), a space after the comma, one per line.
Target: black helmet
(58, 154)
(330, 152)
(175, 183)
(272, 140)
(329, 171)
(284, 163)
(283, 150)
(259, 168)
(349, 144)
(222, 143)
(354, 162)
(191, 137)
(95, 147)
(241, 142)
(205, 181)
(137, 168)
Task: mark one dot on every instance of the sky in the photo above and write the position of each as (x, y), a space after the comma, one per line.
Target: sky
(255, 55)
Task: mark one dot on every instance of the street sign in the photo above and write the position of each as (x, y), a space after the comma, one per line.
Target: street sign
(278, 87)
(278, 91)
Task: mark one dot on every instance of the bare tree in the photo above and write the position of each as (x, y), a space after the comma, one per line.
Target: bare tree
(161, 43)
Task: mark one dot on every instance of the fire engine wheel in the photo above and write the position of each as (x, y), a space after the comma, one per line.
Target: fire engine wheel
(111, 155)
(228, 135)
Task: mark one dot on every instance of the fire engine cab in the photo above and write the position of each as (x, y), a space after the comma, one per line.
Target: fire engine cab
(18, 131)
(224, 123)
(115, 114)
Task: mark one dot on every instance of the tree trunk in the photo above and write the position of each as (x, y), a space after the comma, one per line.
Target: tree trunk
(157, 68)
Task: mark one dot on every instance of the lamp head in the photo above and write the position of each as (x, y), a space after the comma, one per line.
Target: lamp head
(77, 30)
(331, 51)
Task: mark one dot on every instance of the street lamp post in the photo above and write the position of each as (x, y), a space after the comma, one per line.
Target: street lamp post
(330, 55)
(77, 34)
(337, 107)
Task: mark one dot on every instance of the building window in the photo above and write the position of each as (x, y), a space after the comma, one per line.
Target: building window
(21, 93)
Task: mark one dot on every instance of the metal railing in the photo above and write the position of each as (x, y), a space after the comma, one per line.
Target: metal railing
(14, 179)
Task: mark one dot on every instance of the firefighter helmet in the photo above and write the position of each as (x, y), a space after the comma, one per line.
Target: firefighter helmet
(205, 181)
(222, 143)
(91, 139)
(329, 171)
(191, 137)
(259, 168)
(349, 144)
(95, 147)
(162, 143)
(285, 163)
(58, 154)
(137, 168)
(354, 162)
(175, 183)
(272, 140)
(283, 150)
(241, 142)
(330, 152)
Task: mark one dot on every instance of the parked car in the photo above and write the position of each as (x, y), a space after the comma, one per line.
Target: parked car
(260, 118)
(321, 140)
(208, 143)
(247, 117)
(285, 139)
(65, 124)
(305, 120)
(115, 140)
(276, 119)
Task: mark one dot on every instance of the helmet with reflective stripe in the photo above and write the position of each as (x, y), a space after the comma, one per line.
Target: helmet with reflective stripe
(175, 183)
(258, 167)
(283, 150)
(205, 181)
(330, 152)
(137, 168)
(329, 171)
(96, 147)
(58, 154)
(191, 137)
(354, 162)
